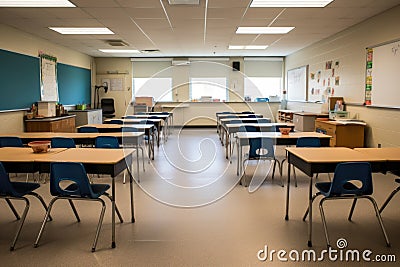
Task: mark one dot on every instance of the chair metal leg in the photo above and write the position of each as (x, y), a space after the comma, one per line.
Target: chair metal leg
(21, 223)
(46, 217)
(321, 210)
(13, 209)
(352, 209)
(41, 201)
(244, 175)
(312, 200)
(74, 210)
(378, 215)
(96, 237)
(389, 198)
(116, 208)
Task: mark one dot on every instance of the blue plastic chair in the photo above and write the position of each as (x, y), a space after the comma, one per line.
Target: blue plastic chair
(62, 142)
(263, 120)
(343, 186)
(115, 121)
(88, 129)
(262, 149)
(17, 190)
(78, 189)
(106, 142)
(11, 141)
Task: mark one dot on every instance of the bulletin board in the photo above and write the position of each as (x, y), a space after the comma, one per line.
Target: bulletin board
(297, 82)
(382, 75)
(324, 80)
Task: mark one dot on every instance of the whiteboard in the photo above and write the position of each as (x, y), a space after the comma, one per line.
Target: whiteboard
(297, 83)
(385, 91)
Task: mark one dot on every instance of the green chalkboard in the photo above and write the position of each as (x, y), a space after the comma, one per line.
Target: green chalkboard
(20, 80)
(73, 84)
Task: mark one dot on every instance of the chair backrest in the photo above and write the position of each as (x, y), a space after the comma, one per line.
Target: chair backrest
(6, 188)
(248, 128)
(264, 120)
(247, 112)
(235, 121)
(88, 129)
(10, 141)
(231, 117)
(251, 116)
(143, 122)
(107, 105)
(130, 129)
(346, 173)
(261, 148)
(115, 122)
(308, 142)
(62, 142)
(130, 117)
(73, 172)
(106, 142)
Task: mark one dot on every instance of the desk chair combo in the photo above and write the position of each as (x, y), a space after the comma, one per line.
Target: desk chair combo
(343, 186)
(79, 188)
(18, 191)
(261, 149)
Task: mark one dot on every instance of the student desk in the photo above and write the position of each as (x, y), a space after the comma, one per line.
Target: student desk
(97, 161)
(131, 138)
(168, 118)
(324, 160)
(115, 128)
(230, 129)
(221, 116)
(129, 122)
(280, 139)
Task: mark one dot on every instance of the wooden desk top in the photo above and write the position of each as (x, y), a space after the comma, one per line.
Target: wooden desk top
(25, 154)
(296, 135)
(247, 119)
(89, 155)
(118, 126)
(49, 135)
(332, 154)
(160, 116)
(134, 120)
(389, 153)
(271, 124)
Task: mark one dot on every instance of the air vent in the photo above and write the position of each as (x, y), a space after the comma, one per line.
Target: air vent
(116, 43)
(184, 2)
(150, 51)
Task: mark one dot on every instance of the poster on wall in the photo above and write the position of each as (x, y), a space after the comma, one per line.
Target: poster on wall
(324, 78)
(368, 79)
(48, 78)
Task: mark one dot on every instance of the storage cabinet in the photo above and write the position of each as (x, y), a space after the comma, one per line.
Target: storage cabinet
(90, 116)
(56, 124)
(343, 134)
(305, 121)
(285, 115)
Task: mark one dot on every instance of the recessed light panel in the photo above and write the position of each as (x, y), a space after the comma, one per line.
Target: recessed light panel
(247, 47)
(129, 51)
(290, 3)
(36, 3)
(263, 30)
(80, 30)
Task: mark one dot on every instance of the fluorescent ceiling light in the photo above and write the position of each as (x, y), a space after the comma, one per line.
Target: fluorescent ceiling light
(247, 47)
(80, 30)
(290, 3)
(263, 30)
(131, 51)
(36, 3)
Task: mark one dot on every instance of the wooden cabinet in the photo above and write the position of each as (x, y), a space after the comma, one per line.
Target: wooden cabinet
(285, 115)
(89, 116)
(56, 124)
(343, 134)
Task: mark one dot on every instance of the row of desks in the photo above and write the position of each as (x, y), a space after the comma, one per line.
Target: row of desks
(325, 159)
(96, 161)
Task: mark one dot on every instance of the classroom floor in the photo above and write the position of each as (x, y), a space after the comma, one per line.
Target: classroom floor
(191, 212)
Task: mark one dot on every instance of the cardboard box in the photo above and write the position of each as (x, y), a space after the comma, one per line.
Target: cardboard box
(47, 108)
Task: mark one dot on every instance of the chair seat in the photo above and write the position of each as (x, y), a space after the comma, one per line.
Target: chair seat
(324, 187)
(24, 188)
(98, 189)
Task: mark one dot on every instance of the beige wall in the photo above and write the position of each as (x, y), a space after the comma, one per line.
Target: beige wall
(348, 47)
(116, 68)
(23, 43)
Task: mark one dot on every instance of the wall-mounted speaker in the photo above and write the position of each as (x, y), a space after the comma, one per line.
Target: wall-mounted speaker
(236, 65)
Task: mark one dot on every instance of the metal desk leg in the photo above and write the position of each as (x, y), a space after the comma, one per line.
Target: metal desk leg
(113, 244)
(137, 161)
(227, 145)
(131, 189)
(287, 192)
(310, 213)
